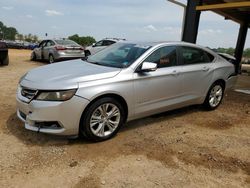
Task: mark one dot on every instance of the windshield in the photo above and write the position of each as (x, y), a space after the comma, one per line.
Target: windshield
(66, 42)
(119, 55)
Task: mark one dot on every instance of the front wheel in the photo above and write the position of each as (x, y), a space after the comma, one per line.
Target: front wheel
(51, 59)
(102, 119)
(214, 96)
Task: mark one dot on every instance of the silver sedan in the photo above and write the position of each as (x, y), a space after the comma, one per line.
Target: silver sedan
(126, 81)
(56, 50)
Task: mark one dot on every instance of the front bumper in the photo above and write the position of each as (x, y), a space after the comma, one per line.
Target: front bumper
(63, 117)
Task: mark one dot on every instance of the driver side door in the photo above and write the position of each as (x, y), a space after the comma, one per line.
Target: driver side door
(39, 50)
(159, 90)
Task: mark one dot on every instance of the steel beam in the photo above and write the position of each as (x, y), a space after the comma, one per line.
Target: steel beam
(224, 6)
(192, 20)
(240, 44)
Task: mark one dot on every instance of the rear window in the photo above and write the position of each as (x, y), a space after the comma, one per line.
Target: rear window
(192, 55)
(66, 42)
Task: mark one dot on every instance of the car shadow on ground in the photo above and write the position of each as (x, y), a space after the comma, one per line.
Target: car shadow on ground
(16, 128)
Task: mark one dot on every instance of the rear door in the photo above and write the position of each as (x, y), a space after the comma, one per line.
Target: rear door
(196, 72)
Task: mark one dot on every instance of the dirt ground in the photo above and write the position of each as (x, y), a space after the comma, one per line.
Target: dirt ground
(189, 147)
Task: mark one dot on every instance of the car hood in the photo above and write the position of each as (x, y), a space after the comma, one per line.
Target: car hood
(66, 75)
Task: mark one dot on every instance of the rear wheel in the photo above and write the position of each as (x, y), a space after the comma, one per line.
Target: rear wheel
(214, 96)
(102, 119)
(51, 58)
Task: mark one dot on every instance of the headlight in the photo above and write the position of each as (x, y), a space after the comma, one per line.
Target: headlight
(56, 95)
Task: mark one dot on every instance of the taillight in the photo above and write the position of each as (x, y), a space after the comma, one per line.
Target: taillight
(60, 48)
(81, 48)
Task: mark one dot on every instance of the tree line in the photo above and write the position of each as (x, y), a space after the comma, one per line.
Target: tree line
(82, 40)
(11, 33)
(230, 51)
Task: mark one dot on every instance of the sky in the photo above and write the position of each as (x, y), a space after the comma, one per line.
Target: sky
(137, 20)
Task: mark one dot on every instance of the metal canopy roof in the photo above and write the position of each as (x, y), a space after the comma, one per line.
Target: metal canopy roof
(236, 10)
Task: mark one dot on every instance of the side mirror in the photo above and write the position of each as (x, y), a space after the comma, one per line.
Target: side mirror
(148, 67)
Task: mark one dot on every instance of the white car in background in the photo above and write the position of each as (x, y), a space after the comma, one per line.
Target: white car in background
(100, 45)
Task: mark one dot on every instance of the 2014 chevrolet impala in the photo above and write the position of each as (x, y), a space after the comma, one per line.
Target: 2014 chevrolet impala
(96, 96)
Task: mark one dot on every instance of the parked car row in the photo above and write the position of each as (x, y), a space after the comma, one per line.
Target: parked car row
(128, 80)
(20, 44)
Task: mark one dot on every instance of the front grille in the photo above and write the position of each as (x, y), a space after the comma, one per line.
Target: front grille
(28, 93)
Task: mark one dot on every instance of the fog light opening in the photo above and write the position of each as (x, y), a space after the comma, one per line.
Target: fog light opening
(48, 125)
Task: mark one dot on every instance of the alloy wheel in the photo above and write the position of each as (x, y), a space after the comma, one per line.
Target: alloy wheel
(105, 120)
(215, 96)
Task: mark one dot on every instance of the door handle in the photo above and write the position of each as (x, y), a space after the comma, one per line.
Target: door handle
(175, 73)
(205, 69)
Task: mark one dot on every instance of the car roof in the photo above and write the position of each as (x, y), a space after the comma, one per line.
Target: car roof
(176, 43)
(159, 43)
(114, 39)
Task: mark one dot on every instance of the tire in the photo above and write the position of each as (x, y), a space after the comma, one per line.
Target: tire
(97, 124)
(87, 53)
(6, 61)
(214, 96)
(51, 59)
(33, 56)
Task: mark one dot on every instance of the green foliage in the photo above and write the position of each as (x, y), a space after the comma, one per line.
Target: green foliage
(7, 32)
(10, 33)
(230, 51)
(247, 53)
(225, 50)
(84, 41)
(30, 38)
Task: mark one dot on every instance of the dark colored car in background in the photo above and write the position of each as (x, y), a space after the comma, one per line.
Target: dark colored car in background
(4, 57)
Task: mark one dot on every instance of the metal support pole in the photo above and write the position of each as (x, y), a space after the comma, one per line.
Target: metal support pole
(240, 45)
(191, 22)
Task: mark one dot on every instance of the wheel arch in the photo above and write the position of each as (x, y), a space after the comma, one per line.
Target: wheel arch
(222, 81)
(119, 98)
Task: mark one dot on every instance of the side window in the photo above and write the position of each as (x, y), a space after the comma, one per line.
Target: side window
(164, 57)
(49, 43)
(52, 43)
(194, 56)
(100, 43)
(42, 44)
(210, 56)
(107, 42)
